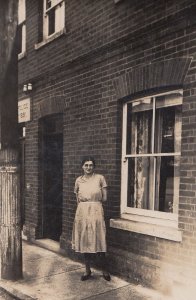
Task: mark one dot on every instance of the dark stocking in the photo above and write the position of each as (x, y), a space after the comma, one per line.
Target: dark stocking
(103, 262)
(87, 259)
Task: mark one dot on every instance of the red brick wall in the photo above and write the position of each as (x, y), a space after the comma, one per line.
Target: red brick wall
(103, 41)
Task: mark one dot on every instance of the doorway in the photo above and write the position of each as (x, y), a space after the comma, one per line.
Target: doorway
(52, 176)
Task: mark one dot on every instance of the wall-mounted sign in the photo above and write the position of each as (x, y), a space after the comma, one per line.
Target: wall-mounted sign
(24, 110)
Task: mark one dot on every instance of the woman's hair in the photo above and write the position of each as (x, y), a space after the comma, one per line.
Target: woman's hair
(88, 158)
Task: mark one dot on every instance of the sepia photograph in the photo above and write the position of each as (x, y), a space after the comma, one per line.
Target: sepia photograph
(97, 150)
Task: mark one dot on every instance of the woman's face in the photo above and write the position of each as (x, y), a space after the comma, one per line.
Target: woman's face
(88, 167)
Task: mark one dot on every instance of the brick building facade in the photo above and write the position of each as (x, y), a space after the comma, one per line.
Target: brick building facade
(116, 80)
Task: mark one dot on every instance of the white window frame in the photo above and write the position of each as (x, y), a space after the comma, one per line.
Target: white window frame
(22, 23)
(59, 7)
(137, 214)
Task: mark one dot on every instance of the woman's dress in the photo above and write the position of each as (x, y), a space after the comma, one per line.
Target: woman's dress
(89, 232)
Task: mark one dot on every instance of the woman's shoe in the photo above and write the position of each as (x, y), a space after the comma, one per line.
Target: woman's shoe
(86, 276)
(107, 276)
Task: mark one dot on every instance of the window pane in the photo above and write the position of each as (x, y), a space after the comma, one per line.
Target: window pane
(141, 182)
(168, 124)
(154, 190)
(48, 4)
(51, 21)
(139, 126)
(167, 184)
(19, 33)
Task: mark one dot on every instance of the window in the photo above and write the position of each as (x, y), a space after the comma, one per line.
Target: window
(151, 156)
(53, 17)
(21, 28)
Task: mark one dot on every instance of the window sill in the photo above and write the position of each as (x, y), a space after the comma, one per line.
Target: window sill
(50, 39)
(22, 55)
(160, 231)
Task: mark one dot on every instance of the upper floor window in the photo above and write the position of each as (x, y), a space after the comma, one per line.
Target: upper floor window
(21, 28)
(151, 155)
(53, 17)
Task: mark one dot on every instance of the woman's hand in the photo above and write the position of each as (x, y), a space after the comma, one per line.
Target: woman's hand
(82, 199)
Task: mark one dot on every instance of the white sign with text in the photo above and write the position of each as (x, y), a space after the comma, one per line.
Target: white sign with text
(24, 110)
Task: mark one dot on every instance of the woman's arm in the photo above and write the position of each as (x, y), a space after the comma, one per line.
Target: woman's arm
(76, 189)
(77, 198)
(104, 194)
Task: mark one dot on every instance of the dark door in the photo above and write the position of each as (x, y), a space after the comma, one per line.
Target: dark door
(52, 184)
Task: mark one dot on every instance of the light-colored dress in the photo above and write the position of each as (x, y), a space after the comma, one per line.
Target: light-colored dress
(89, 232)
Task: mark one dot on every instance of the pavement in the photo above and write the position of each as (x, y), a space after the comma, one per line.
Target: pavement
(48, 275)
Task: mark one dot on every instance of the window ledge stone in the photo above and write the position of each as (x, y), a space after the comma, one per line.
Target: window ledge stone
(168, 233)
(49, 39)
(22, 55)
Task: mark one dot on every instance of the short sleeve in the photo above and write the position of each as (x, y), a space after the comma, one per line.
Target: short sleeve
(76, 187)
(103, 182)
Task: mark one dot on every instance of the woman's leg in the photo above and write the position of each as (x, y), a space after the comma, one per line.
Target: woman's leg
(87, 259)
(104, 265)
(87, 274)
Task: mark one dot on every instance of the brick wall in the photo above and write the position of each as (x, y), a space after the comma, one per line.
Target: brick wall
(103, 42)
(90, 26)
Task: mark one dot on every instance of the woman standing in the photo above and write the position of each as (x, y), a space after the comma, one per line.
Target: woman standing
(89, 232)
